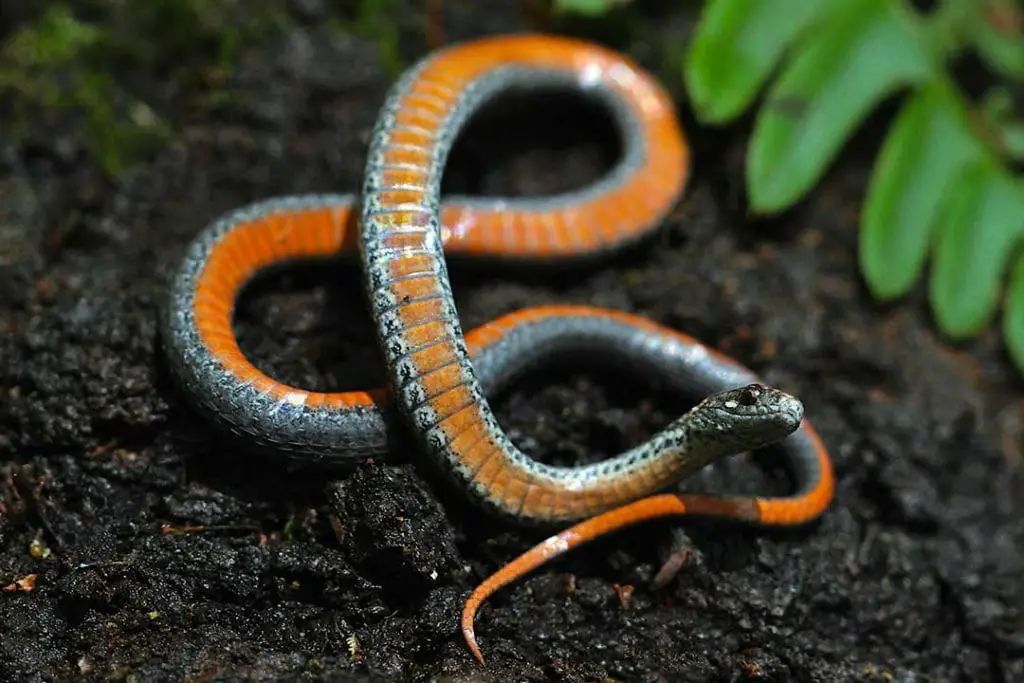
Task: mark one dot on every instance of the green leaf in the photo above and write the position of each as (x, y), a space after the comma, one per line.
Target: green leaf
(997, 107)
(994, 28)
(863, 51)
(736, 45)
(1011, 135)
(981, 221)
(923, 154)
(1013, 315)
(590, 8)
(997, 104)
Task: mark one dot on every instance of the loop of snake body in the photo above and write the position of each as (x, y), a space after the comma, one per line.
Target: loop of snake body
(438, 379)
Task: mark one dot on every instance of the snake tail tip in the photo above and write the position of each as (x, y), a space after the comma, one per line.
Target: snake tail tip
(470, 638)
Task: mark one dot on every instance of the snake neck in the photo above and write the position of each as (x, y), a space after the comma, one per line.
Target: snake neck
(515, 485)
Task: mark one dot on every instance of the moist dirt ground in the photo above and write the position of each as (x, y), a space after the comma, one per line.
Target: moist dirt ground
(139, 544)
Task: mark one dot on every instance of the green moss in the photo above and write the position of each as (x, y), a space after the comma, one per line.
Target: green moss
(121, 69)
(375, 19)
(79, 64)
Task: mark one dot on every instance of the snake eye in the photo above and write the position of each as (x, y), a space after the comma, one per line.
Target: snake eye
(749, 394)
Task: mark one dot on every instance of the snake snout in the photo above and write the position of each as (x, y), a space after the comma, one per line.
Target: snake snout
(767, 412)
(787, 410)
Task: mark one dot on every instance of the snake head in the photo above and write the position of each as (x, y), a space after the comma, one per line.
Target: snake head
(750, 417)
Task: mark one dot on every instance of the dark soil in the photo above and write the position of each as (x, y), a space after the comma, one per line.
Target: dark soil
(160, 551)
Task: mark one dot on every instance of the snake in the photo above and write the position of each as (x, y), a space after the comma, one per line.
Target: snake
(401, 232)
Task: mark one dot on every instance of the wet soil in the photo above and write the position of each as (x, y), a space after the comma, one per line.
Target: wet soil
(157, 550)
